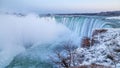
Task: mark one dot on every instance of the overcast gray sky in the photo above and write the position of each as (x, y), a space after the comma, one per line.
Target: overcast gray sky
(60, 6)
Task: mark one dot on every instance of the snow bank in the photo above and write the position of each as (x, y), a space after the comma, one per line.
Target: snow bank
(116, 17)
(105, 52)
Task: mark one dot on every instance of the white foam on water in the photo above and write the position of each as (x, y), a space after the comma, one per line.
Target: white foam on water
(16, 32)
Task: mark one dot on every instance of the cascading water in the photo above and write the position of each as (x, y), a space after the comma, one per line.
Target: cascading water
(84, 25)
(40, 36)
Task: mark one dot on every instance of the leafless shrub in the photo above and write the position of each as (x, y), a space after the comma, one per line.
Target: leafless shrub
(86, 42)
(66, 57)
(96, 32)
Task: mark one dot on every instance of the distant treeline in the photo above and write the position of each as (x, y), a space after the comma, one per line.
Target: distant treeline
(109, 13)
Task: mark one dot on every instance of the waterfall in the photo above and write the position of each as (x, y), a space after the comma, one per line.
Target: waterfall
(83, 25)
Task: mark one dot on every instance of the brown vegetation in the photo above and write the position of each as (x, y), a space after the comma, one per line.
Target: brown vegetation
(86, 42)
(96, 32)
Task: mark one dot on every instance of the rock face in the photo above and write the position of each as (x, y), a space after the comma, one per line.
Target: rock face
(106, 52)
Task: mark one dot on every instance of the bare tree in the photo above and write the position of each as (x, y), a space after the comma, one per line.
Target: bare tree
(66, 57)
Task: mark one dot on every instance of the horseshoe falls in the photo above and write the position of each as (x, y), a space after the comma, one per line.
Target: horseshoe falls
(84, 25)
(32, 38)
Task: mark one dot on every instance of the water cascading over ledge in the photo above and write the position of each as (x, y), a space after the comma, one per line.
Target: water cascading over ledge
(84, 25)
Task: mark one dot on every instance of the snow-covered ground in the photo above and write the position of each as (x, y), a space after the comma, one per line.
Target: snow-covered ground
(105, 52)
(116, 17)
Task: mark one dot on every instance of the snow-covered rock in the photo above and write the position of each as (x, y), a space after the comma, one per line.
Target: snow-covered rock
(105, 52)
(115, 17)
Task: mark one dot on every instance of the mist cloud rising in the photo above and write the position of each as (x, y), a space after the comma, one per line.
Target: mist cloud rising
(16, 32)
(30, 27)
